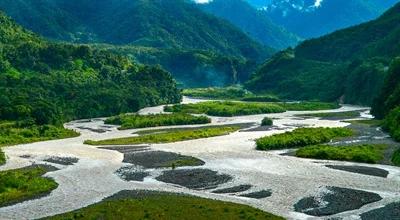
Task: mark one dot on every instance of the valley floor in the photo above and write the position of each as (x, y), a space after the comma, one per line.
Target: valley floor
(277, 182)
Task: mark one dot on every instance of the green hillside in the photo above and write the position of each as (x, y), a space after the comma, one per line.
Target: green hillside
(194, 46)
(331, 67)
(252, 21)
(49, 83)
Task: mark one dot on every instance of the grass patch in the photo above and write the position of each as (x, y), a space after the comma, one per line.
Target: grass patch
(167, 206)
(328, 115)
(229, 109)
(396, 158)
(358, 153)
(301, 137)
(226, 109)
(309, 106)
(228, 93)
(232, 92)
(12, 133)
(156, 120)
(369, 122)
(23, 184)
(169, 137)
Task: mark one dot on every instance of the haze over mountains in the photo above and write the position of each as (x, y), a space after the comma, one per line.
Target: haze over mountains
(314, 18)
(252, 21)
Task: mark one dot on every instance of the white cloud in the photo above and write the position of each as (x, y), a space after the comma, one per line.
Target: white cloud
(202, 1)
(317, 3)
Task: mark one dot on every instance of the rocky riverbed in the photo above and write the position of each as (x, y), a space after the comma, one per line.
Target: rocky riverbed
(228, 167)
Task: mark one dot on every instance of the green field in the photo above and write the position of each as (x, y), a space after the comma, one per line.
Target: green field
(23, 184)
(163, 206)
(12, 133)
(229, 109)
(228, 93)
(308, 106)
(333, 115)
(226, 109)
(129, 121)
(356, 153)
(369, 122)
(170, 136)
(301, 137)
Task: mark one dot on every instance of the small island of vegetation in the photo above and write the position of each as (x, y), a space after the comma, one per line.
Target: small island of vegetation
(355, 153)
(129, 121)
(158, 205)
(301, 137)
(230, 109)
(169, 136)
(23, 184)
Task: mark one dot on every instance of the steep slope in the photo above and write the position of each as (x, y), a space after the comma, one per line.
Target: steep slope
(311, 18)
(161, 24)
(151, 32)
(330, 67)
(387, 105)
(48, 83)
(252, 21)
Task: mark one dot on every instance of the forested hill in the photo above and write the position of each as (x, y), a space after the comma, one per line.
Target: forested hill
(312, 18)
(331, 67)
(252, 21)
(170, 24)
(49, 83)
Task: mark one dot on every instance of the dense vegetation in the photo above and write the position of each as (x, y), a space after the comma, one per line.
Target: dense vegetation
(229, 109)
(252, 21)
(23, 184)
(301, 137)
(169, 136)
(50, 83)
(196, 47)
(128, 121)
(12, 133)
(396, 158)
(190, 67)
(2, 158)
(267, 122)
(231, 92)
(387, 106)
(228, 93)
(357, 153)
(226, 109)
(331, 67)
(166, 206)
(161, 24)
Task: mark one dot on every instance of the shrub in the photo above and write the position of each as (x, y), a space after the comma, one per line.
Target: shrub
(267, 122)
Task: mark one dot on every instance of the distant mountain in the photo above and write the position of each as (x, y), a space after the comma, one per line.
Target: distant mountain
(49, 83)
(348, 65)
(162, 24)
(252, 21)
(313, 18)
